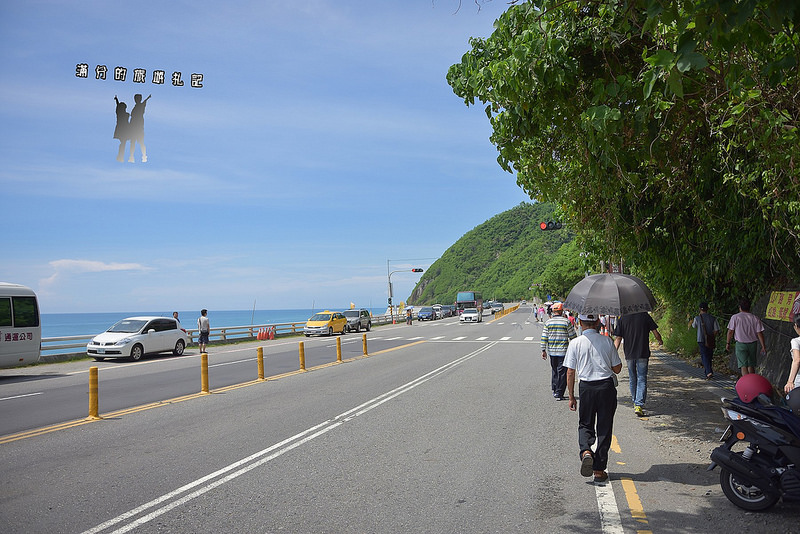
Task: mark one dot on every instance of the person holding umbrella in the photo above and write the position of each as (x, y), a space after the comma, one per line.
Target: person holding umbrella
(592, 358)
(627, 296)
(634, 330)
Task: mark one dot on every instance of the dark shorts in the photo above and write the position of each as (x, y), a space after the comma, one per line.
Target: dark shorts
(746, 354)
(203, 337)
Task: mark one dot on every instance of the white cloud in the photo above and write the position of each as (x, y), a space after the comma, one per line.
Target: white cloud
(63, 267)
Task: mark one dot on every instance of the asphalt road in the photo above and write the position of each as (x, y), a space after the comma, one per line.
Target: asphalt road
(443, 428)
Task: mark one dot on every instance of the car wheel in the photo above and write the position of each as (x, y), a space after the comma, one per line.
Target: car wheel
(369, 326)
(179, 346)
(344, 329)
(330, 330)
(137, 352)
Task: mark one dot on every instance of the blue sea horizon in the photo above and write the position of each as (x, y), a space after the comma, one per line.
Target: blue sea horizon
(79, 324)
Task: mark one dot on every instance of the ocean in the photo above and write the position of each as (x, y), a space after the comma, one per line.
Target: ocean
(80, 324)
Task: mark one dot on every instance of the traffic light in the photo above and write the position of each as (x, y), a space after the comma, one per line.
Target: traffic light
(390, 301)
(550, 225)
(417, 270)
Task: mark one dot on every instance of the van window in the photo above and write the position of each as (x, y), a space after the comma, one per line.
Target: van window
(5, 311)
(26, 314)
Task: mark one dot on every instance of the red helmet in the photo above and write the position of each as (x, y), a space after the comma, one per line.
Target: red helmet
(751, 385)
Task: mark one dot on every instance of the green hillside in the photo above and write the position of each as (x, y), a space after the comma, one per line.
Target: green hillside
(502, 258)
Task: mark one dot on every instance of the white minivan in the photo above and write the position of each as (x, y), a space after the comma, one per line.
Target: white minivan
(20, 326)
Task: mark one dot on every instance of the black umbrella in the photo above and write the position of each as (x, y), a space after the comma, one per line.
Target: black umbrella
(610, 294)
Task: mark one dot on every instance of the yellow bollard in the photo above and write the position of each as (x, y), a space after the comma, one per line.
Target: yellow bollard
(261, 363)
(204, 374)
(364, 343)
(302, 357)
(94, 389)
(339, 350)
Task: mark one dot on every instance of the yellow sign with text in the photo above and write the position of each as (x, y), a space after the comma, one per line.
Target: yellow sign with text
(783, 305)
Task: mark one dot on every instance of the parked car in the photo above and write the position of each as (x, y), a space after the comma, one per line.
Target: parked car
(136, 336)
(437, 308)
(470, 315)
(326, 322)
(426, 313)
(358, 319)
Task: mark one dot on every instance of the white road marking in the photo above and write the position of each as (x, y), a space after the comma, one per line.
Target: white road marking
(482, 338)
(237, 469)
(504, 338)
(459, 338)
(528, 339)
(610, 522)
(21, 396)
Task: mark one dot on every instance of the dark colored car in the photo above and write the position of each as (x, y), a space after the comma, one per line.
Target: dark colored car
(358, 319)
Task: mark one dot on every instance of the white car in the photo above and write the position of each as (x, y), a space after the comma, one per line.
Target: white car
(136, 336)
(470, 315)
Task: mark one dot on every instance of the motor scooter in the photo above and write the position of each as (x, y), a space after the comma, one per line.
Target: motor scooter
(765, 465)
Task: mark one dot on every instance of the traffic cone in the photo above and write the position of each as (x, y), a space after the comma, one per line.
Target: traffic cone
(272, 332)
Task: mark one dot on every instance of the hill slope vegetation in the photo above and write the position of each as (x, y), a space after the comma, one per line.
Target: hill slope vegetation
(503, 258)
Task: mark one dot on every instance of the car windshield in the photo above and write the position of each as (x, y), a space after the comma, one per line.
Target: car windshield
(321, 317)
(127, 326)
(351, 313)
(426, 310)
(471, 310)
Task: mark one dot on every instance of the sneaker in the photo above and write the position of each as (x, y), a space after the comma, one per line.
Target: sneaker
(638, 411)
(586, 464)
(600, 476)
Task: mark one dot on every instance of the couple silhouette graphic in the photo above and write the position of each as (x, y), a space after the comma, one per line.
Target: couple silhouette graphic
(131, 130)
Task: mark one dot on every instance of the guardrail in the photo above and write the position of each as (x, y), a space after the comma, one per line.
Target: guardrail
(66, 344)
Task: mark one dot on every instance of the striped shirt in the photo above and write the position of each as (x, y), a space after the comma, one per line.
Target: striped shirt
(556, 335)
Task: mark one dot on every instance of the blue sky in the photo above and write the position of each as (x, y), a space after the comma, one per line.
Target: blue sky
(323, 142)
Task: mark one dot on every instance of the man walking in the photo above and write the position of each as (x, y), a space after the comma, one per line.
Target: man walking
(556, 335)
(634, 330)
(594, 360)
(747, 330)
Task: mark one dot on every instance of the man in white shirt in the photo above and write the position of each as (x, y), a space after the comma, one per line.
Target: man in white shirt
(593, 358)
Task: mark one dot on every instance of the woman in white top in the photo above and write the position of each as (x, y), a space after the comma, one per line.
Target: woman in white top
(794, 375)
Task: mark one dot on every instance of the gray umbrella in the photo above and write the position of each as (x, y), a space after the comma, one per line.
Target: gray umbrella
(610, 294)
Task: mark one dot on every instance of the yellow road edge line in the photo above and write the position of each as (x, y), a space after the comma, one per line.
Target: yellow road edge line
(615, 444)
(384, 351)
(135, 409)
(634, 503)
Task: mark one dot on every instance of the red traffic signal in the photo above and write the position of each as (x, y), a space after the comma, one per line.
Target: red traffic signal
(550, 225)
(417, 270)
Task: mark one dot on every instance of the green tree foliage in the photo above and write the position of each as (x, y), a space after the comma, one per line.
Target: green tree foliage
(502, 258)
(664, 130)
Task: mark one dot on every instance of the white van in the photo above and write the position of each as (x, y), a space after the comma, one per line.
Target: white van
(20, 327)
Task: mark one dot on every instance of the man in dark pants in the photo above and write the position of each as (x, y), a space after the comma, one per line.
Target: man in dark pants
(594, 360)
